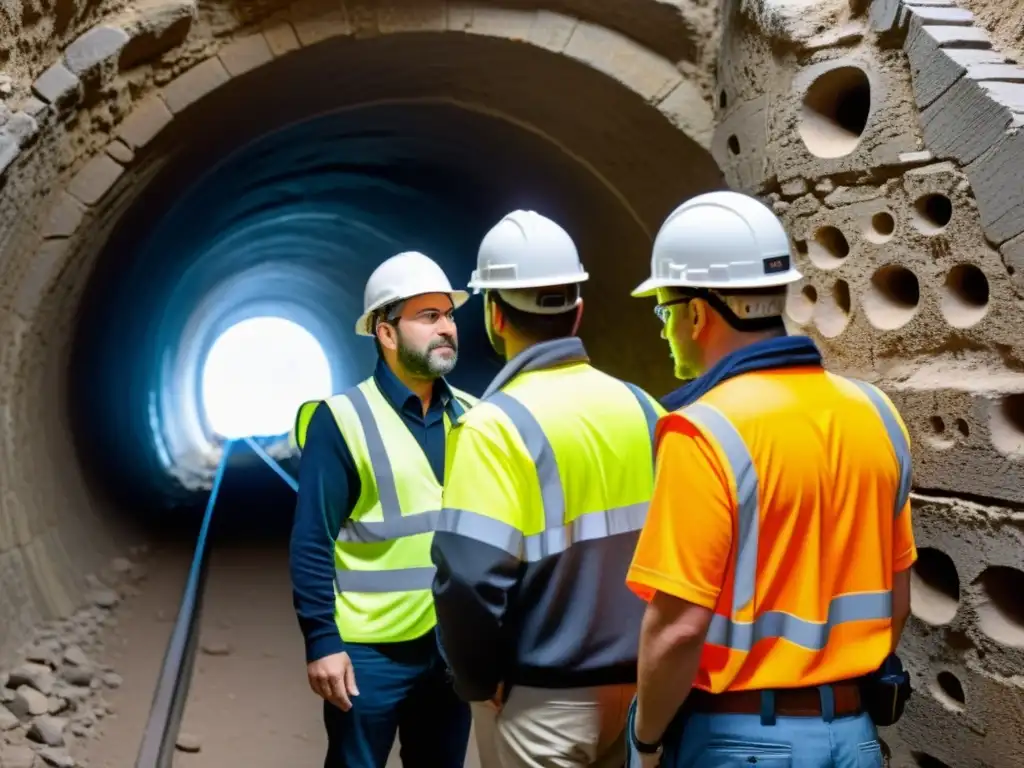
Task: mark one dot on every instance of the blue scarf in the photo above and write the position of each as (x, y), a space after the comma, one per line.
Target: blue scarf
(784, 352)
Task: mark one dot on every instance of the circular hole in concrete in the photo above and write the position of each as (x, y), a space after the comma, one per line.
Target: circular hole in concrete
(800, 303)
(828, 248)
(1001, 610)
(880, 227)
(924, 760)
(833, 312)
(734, 145)
(965, 296)
(835, 112)
(932, 213)
(1006, 426)
(801, 247)
(963, 428)
(892, 297)
(934, 587)
(723, 99)
(937, 424)
(949, 691)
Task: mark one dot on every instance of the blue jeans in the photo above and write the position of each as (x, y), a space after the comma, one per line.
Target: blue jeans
(404, 690)
(723, 741)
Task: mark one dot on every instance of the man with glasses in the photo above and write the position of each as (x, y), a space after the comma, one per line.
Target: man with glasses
(777, 549)
(370, 482)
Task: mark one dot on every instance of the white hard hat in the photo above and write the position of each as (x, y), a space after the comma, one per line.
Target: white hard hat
(401, 277)
(526, 250)
(720, 240)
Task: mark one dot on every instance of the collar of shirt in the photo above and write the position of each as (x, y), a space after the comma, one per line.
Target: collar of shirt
(405, 401)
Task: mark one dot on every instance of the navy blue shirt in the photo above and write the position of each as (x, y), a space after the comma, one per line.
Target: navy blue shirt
(329, 487)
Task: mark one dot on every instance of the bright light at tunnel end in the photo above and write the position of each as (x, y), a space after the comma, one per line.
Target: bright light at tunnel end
(256, 375)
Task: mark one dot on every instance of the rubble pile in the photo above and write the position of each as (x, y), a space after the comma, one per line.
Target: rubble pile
(52, 697)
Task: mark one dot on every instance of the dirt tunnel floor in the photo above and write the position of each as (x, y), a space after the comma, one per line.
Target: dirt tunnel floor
(249, 706)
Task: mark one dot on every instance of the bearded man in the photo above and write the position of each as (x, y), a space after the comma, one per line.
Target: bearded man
(370, 482)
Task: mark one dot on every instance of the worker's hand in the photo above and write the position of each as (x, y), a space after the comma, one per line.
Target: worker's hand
(498, 702)
(333, 679)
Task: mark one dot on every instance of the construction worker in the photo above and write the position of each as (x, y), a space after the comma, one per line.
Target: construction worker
(369, 496)
(776, 554)
(548, 479)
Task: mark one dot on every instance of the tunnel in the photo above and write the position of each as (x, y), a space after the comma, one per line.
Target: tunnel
(277, 200)
(268, 180)
(175, 174)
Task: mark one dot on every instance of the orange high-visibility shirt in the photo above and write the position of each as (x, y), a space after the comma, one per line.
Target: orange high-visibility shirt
(781, 502)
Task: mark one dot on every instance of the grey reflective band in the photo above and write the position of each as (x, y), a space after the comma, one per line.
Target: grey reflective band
(738, 635)
(747, 497)
(384, 476)
(393, 525)
(557, 535)
(541, 452)
(742, 635)
(645, 404)
(397, 580)
(551, 541)
(897, 439)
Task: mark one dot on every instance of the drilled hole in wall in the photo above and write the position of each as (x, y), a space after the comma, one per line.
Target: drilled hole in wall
(963, 428)
(965, 296)
(932, 213)
(880, 227)
(934, 587)
(924, 760)
(801, 247)
(800, 303)
(949, 691)
(833, 312)
(723, 99)
(734, 145)
(1006, 425)
(828, 248)
(938, 435)
(835, 112)
(1001, 610)
(892, 297)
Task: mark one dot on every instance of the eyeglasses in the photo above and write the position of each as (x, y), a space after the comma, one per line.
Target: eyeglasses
(661, 310)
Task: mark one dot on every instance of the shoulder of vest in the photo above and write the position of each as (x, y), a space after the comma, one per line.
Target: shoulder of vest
(463, 396)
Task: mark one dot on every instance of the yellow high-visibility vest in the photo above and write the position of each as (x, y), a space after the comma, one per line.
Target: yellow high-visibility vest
(383, 570)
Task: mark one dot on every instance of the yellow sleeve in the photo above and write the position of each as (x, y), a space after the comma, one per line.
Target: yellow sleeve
(686, 540)
(480, 476)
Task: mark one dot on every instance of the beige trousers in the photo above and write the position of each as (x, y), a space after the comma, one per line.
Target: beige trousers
(555, 728)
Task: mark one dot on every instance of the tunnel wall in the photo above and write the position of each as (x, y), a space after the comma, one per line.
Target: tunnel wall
(99, 98)
(886, 137)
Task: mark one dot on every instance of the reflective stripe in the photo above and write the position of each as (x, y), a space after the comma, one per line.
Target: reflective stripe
(742, 635)
(896, 438)
(398, 580)
(357, 532)
(387, 491)
(649, 413)
(541, 452)
(551, 541)
(747, 497)
(394, 525)
(738, 635)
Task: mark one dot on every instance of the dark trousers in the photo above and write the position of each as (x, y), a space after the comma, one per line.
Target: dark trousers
(403, 689)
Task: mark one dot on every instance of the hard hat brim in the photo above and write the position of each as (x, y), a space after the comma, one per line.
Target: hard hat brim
(651, 285)
(540, 282)
(362, 324)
